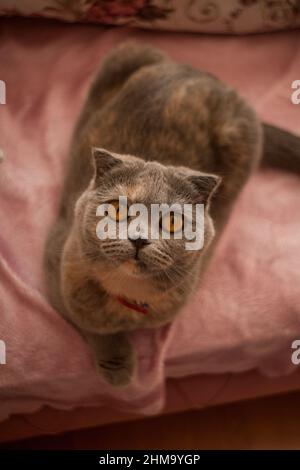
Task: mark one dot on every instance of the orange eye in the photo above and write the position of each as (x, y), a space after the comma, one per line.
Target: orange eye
(117, 211)
(172, 223)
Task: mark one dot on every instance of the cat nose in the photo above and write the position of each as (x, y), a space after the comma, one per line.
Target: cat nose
(139, 243)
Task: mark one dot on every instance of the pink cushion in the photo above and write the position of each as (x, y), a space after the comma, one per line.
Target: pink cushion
(247, 311)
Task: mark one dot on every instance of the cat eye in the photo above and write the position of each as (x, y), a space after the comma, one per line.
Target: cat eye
(117, 211)
(172, 223)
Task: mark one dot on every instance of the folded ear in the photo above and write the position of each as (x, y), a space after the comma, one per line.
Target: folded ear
(205, 185)
(104, 161)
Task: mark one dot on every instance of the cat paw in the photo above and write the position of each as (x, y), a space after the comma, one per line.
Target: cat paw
(117, 370)
(114, 357)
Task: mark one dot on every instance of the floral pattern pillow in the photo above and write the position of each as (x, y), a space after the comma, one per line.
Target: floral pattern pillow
(217, 16)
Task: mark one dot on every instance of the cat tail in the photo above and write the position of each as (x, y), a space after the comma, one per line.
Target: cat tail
(281, 149)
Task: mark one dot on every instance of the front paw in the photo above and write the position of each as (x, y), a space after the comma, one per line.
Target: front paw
(115, 359)
(116, 370)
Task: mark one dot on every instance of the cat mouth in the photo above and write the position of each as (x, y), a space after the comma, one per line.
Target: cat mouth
(141, 264)
(135, 267)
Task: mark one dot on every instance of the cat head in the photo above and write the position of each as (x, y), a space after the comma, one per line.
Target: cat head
(144, 218)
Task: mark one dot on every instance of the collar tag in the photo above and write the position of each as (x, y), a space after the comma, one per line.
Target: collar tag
(138, 307)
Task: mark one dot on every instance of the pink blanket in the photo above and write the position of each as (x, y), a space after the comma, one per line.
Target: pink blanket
(247, 312)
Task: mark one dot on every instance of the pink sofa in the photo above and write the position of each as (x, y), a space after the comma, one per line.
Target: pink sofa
(234, 340)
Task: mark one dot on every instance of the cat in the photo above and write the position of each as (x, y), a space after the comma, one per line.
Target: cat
(156, 132)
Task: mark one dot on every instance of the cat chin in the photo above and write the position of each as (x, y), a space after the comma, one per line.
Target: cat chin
(133, 268)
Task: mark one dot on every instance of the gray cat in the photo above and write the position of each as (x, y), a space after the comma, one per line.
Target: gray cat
(171, 134)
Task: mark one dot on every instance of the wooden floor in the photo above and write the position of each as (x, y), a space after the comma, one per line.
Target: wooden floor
(271, 423)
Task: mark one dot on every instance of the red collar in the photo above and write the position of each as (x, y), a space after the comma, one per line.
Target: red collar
(137, 306)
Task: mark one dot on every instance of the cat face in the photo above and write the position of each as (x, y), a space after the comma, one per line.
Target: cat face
(149, 209)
